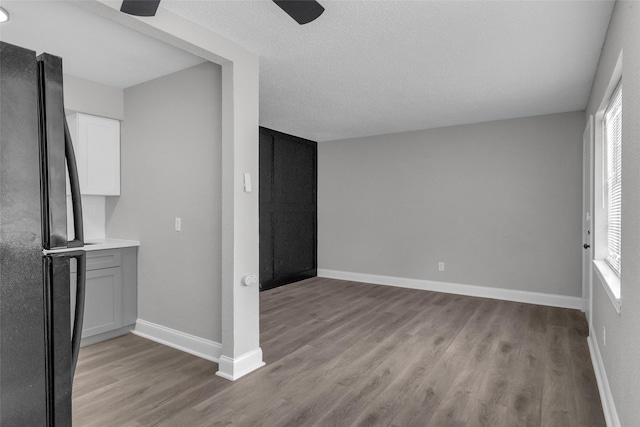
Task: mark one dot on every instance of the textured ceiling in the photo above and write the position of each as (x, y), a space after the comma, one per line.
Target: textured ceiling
(364, 67)
(376, 67)
(91, 47)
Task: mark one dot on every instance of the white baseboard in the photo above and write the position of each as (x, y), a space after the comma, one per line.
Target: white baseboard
(106, 336)
(234, 368)
(608, 406)
(460, 289)
(197, 346)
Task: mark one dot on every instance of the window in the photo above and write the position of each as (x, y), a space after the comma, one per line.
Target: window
(612, 129)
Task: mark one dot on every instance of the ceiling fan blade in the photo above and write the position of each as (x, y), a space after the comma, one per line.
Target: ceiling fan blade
(140, 7)
(303, 11)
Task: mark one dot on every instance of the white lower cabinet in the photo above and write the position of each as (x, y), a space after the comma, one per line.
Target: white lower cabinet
(103, 301)
(111, 295)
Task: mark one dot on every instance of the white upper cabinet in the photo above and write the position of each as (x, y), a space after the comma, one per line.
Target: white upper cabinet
(96, 142)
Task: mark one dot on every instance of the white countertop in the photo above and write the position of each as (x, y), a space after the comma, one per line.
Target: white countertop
(101, 244)
(98, 245)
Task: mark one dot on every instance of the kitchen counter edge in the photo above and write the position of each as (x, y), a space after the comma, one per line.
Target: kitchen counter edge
(102, 244)
(98, 245)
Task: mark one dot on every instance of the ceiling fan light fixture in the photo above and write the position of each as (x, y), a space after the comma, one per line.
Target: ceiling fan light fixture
(4, 15)
(140, 7)
(303, 11)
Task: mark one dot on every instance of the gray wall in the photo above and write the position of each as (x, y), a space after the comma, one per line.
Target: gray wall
(621, 355)
(89, 97)
(498, 202)
(171, 167)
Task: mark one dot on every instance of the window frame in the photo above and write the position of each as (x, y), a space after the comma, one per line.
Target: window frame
(607, 276)
(614, 249)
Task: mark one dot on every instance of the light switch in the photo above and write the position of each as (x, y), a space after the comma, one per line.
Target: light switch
(247, 183)
(178, 224)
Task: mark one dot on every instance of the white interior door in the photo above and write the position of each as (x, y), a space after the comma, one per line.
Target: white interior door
(587, 220)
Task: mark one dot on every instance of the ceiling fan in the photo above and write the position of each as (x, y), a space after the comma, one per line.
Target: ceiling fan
(303, 11)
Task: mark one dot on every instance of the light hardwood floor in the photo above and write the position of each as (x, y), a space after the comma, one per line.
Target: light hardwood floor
(343, 353)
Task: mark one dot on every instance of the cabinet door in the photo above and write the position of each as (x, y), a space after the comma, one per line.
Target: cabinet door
(96, 141)
(103, 303)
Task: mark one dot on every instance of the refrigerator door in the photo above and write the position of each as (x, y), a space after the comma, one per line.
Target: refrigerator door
(23, 374)
(63, 344)
(56, 147)
(38, 349)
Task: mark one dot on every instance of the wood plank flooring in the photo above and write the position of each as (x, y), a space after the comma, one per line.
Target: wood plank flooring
(342, 353)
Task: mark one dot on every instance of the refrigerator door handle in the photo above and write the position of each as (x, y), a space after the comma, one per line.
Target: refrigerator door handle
(74, 183)
(81, 283)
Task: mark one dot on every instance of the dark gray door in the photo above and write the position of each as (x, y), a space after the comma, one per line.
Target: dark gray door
(288, 208)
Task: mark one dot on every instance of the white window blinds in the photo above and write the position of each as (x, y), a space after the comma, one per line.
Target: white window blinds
(613, 144)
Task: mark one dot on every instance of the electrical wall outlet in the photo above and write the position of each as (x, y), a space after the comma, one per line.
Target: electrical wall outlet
(178, 224)
(441, 266)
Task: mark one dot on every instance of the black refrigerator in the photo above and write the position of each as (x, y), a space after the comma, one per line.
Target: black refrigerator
(39, 328)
